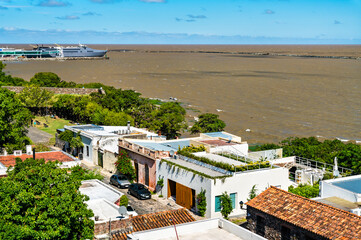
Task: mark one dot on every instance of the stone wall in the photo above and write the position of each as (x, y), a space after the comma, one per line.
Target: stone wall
(273, 227)
(103, 227)
(79, 91)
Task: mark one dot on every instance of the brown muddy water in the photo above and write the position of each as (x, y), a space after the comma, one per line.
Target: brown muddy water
(259, 88)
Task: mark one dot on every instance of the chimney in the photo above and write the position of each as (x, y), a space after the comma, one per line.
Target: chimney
(34, 153)
(128, 125)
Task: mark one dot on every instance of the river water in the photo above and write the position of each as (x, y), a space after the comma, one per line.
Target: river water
(250, 87)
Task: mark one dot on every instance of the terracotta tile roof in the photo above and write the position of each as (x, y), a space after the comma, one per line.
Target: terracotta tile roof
(313, 216)
(47, 156)
(156, 220)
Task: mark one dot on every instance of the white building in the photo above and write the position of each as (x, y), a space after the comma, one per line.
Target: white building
(101, 142)
(343, 193)
(184, 178)
(102, 198)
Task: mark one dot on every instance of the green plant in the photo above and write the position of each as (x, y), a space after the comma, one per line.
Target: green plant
(252, 193)
(78, 173)
(208, 122)
(161, 196)
(123, 200)
(124, 165)
(305, 190)
(174, 165)
(192, 148)
(202, 202)
(226, 205)
(40, 201)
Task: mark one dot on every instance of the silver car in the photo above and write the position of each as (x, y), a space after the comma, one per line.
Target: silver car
(119, 180)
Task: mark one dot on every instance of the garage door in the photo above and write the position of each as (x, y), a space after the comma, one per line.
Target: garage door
(184, 196)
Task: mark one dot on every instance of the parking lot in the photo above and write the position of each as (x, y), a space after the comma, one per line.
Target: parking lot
(146, 206)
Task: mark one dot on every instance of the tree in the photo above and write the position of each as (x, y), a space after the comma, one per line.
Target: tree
(45, 79)
(41, 201)
(306, 190)
(124, 165)
(34, 96)
(202, 202)
(226, 205)
(208, 122)
(169, 119)
(123, 200)
(252, 193)
(14, 120)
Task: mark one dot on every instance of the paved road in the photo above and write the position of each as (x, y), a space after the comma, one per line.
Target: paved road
(38, 136)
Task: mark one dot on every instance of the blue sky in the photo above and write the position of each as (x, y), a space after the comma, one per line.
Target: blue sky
(181, 21)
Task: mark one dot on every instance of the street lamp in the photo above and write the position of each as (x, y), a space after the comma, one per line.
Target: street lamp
(241, 204)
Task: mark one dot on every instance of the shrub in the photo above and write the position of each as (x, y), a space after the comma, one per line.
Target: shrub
(226, 205)
(79, 173)
(202, 203)
(123, 200)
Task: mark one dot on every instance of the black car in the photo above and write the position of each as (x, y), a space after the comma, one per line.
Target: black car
(119, 180)
(139, 191)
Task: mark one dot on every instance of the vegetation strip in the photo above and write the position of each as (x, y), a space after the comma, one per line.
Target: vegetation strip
(192, 170)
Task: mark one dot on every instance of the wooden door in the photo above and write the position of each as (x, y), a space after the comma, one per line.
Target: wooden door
(184, 196)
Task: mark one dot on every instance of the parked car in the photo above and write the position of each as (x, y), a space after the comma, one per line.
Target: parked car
(119, 180)
(131, 211)
(139, 191)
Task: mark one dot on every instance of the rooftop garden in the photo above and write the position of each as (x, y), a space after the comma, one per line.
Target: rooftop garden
(226, 166)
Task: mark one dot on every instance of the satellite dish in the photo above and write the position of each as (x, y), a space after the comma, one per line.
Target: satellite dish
(171, 153)
(122, 210)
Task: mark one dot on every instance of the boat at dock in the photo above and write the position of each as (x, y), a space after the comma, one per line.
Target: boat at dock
(82, 51)
(22, 53)
(70, 52)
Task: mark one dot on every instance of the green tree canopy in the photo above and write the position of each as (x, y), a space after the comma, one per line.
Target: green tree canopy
(348, 154)
(38, 200)
(14, 119)
(45, 79)
(34, 96)
(208, 122)
(169, 119)
(305, 190)
(124, 165)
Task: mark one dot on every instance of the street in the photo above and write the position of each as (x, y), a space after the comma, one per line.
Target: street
(146, 206)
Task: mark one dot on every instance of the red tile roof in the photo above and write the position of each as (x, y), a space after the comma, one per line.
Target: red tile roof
(313, 216)
(156, 220)
(47, 156)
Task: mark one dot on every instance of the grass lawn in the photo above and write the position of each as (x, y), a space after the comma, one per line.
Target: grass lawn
(52, 123)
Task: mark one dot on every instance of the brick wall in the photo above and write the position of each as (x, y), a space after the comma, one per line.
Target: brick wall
(102, 228)
(273, 227)
(79, 91)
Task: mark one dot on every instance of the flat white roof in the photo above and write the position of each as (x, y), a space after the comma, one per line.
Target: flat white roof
(209, 229)
(95, 189)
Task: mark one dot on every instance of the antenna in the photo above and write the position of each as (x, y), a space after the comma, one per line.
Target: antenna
(122, 211)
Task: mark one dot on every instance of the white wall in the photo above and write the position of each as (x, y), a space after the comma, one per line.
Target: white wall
(330, 190)
(241, 184)
(185, 178)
